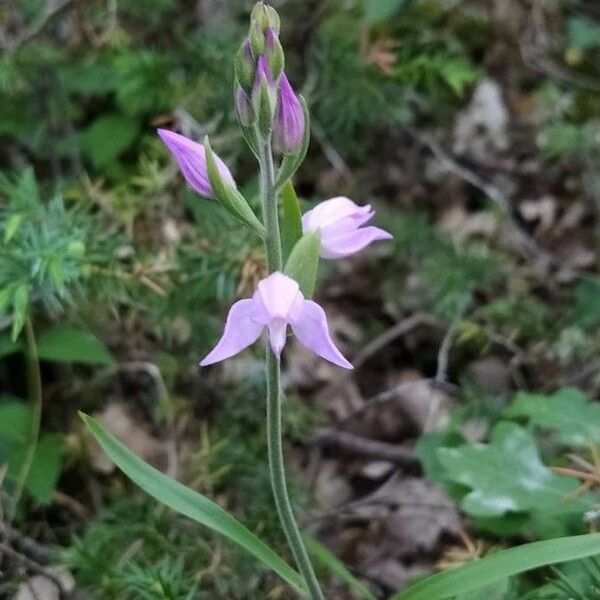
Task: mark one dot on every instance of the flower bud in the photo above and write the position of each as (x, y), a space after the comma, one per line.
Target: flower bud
(243, 108)
(257, 39)
(245, 66)
(288, 130)
(191, 159)
(265, 16)
(264, 96)
(274, 52)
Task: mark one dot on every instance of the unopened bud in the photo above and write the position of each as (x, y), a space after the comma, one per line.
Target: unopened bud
(288, 129)
(264, 96)
(257, 39)
(243, 108)
(274, 52)
(244, 66)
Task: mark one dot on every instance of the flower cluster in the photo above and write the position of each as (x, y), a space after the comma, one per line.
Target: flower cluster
(271, 113)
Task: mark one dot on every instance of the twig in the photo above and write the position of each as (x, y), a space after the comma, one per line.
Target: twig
(398, 330)
(397, 393)
(32, 565)
(527, 247)
(333, 156)
(441, 373)
(28, 545)
(354, 445)
(52, 9)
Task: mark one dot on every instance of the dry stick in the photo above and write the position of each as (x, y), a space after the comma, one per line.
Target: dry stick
(398, 330)
(527, 247)
(33, 566)
(355, 445)
(52, 9)
(28, 545)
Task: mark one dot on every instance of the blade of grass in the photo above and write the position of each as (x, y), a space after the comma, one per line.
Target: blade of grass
(187, 502)
(337, 567)
(501, 565)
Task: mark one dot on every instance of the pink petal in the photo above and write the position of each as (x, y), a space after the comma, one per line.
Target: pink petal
(312, 330)
(330, 212)
(280, 296)
(351, 242)
(240, 331)
(191, 159)
(277, 335)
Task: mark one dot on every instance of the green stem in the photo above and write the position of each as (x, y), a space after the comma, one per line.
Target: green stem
(274, 429)
(34, 393)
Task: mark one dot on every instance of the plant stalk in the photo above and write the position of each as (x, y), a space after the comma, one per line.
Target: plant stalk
(34, 393)
(274, 428)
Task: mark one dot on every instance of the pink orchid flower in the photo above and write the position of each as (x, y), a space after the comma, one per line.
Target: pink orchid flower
(277, 303)
(339, 223)
(191, 158)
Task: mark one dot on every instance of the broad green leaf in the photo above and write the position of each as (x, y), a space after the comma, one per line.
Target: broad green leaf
(381, 10)
(322, 554)
(427, 452)
(15, 427)
(187, 502)
(584, 34)
(45, 468)
(9, 346)
(108, 137)
(64, 343)
(507, 476)
(303, 263)
(567, 412)
(15, 420)
(587, 302)
(502, 565)
(291, 221)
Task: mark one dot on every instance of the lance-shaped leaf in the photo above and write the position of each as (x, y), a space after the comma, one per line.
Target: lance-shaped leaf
(228, 195)
(291, 162)
(291, 221)
(303, 263)
(187, 502)
(501, 565)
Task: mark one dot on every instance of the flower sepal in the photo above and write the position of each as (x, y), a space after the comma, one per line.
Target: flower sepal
(228, 195)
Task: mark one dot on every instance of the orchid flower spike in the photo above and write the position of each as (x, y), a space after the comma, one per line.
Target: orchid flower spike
(277, 303)
(191, 159)
(338, 221)
(288, 131)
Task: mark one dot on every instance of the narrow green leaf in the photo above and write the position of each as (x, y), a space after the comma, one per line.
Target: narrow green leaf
(64, 343)
(20, 308)
(12, 226)
(291, 222)
(502, 565)
(337, 567)
(187, 502)
(228, 196)
(303, 262)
